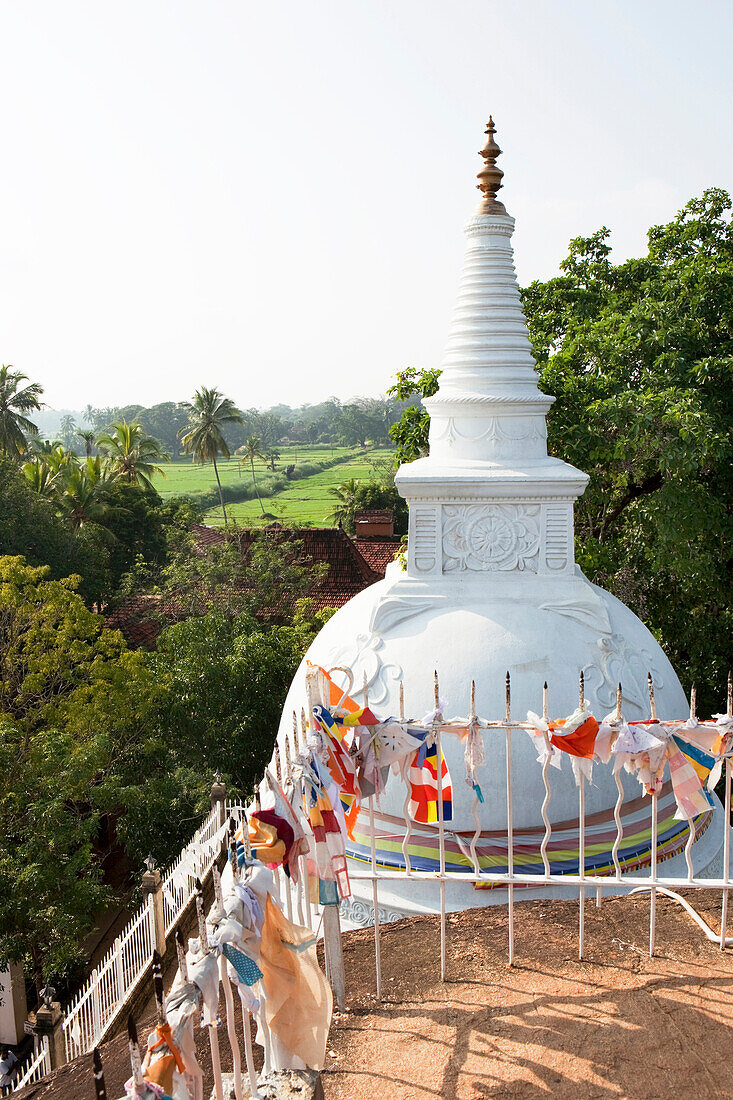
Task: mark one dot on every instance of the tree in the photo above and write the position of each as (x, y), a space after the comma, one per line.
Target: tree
(68, 430)
(345, 503)
(88, 438)
(15, 402)
(375, 494)
(132, 456)
(70, 691)
(30, 525)
(208, 415)
(251, 450)
(410, 432)
(82, 494)
(272, 455)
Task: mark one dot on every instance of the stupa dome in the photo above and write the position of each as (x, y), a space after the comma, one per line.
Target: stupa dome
(491, 586)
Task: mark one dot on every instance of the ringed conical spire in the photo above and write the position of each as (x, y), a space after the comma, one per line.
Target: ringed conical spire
(491, 175)
(488, 461)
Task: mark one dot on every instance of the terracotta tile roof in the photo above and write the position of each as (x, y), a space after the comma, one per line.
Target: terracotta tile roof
(207, 536)
(348, 573)
(141, 618)
(377, 553)
(374, 513)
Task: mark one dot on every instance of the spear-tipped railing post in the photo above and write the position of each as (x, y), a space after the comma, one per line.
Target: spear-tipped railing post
(655, 833)
(581, 834)
(726, 825)
(100, 1090)
(509, 812)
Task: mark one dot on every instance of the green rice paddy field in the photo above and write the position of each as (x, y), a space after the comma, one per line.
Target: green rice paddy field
(303, 501)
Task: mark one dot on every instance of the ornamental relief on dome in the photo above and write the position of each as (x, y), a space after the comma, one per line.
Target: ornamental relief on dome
(492, 537)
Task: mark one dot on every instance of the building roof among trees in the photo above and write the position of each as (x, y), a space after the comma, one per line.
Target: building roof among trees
(354, 564)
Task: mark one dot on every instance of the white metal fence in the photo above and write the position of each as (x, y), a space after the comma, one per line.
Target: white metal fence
(372, 867)
(97, 1005)
(36, 1066)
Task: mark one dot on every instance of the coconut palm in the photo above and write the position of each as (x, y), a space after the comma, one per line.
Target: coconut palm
(41, 476)
(41, 447)
(343, 509)
(203, 436)
(87, 436)
(68, 429)
(82, 492)
(251, 450)
(131, 454)
(15, 401)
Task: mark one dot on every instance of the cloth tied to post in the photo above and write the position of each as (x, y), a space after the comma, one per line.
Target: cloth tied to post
(574, 735)
(203, 971)
(327, 853)
(298, 999)
(644, 749)
(148, 1090)
(165, 1069)
(182, 1008)
(474, 753)
(270, 837)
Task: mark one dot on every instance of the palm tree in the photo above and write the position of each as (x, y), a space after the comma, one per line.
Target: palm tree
(38, 446)
(272, 455)
(82, 492)
(41, 476)
(203, 437)
(343, 509)
(67, 429)
(87, 438)
(251, 450)
(89, 414)
(14, 402)
(131, 454)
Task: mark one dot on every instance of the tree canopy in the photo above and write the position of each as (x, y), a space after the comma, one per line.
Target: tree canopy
(15, 401)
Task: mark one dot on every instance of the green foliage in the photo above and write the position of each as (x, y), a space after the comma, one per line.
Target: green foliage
(343, 509)
(69, 690)
(29, 525)
(251, 450)
(640, 357)
(226, 678)
(410, 432)
(375, 494)
(208, 415)
(132, 456)
(15, 401)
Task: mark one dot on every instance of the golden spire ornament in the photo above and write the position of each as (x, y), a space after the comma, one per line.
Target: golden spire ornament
(490, 176)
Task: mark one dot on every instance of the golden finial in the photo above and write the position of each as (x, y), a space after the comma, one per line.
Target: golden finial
(490, 176)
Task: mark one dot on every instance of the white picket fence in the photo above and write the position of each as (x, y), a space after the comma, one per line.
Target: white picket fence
(36, 1066)
(97, 1005)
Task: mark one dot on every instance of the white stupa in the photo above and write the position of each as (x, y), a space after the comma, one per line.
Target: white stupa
(491, 585)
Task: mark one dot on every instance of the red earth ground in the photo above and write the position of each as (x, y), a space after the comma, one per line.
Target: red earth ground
(618, 1024)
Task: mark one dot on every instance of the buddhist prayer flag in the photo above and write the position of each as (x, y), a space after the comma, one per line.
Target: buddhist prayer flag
(340, 763)
(423, 779)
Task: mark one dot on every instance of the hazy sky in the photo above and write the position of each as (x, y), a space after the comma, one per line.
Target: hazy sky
(269, 197)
